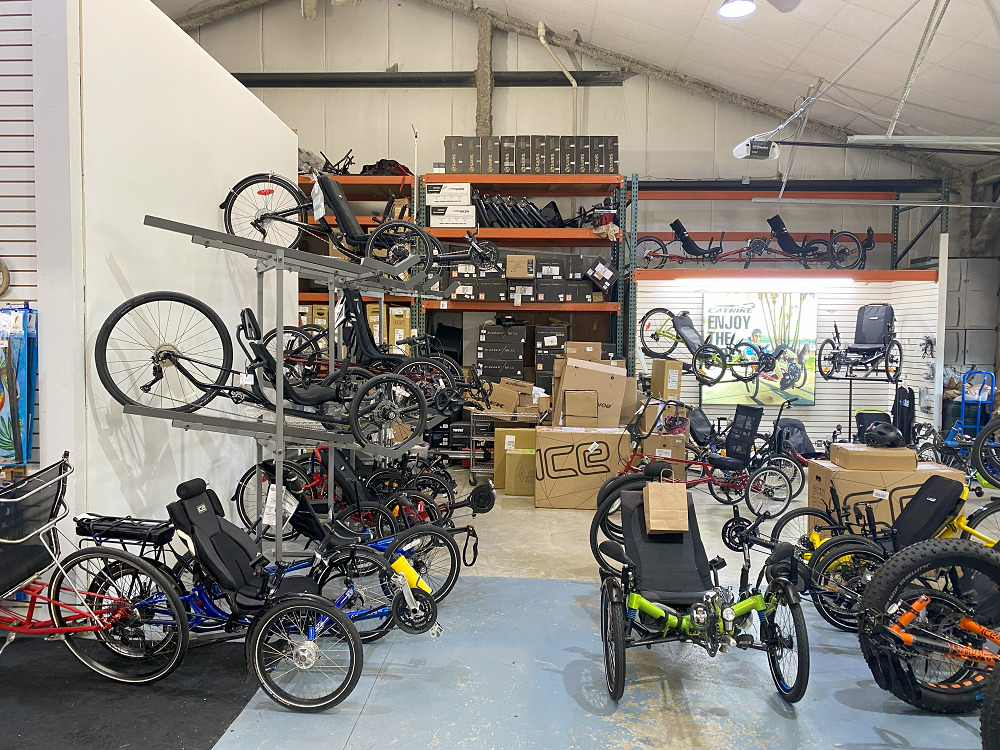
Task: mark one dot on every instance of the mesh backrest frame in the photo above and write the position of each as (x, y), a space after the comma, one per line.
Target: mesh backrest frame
(874, 325)
(29, 506)
(742, 431)
(684, 327)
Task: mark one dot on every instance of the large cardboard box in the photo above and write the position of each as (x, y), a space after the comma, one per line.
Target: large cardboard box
(859, 485)
(520, 266)
(507, 439)
(664, 446)
(571, 465)
(518, 386)
(630, 404)
(579, 408)
(609, 382)
(665, 380)
(449, 193)
(589, 350)
(398, 327)
(856, 456)
(520, 472)
(665, 507)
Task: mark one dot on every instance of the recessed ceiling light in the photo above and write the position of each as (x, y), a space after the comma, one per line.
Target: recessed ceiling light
(737, 8)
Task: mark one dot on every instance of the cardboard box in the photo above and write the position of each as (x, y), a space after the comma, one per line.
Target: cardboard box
(520, 266)
(539, 154)
(571, 465)
(493, 333)
(454, 154)
(612, 150)
(630, 403)
(503, 399)
(567, 154)
(544, 403)
(664, 446)
(522, 153)
(520, 472)
(545, 359)
(552, 154)
(464, 271)
(589, 350)
(665, 380)
(601, 274)
(474, 158)
(518, 386)
(506, 439)
(464, 291)
(321, 315)
(490, 145)
(579, 408)
(508, 164)
(549, 266)
(543, 380)
(609, 382)
(398, 326)
(855, 456)
(598, 154)
(665, 507)
(858, 485)
(452, 216)
(449, 194)
(577, 266)
(647, 422)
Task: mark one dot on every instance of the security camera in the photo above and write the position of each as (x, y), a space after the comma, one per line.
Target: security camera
(756, 149)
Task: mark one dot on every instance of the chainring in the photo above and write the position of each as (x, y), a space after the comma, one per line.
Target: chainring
(733, 531)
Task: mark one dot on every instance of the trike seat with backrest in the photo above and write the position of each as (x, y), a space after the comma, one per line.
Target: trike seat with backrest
(684, 327)
(874, 329)
(226, 551)
(312, 395)
(700, 426)
(358, 336)
(347, 222)
(938, 502)
(726, 463)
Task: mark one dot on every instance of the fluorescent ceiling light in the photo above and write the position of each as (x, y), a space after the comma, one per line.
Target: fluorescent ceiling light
(924, 140)
(737, 8)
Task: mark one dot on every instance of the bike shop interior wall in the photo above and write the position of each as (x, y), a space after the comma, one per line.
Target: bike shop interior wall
(161, 129)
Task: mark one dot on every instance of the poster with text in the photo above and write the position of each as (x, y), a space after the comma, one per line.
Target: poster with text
(781, 324)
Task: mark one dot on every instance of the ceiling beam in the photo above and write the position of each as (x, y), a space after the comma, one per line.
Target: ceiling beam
(217, 13)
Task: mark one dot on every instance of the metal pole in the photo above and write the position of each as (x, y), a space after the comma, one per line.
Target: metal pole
(279, 398)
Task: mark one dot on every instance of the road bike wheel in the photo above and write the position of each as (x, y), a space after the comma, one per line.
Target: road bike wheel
(985, 520)
(306, 654)
(744, 362)
(654, 255)
(260, 195)
(371, 520)
(962, 579)
(840, 577)
(792, 469)
(709, 364)
(986, 452)
(144, 633)
(396, 241)
(298, 347)
(845, 251)
(359, 581)
(388, 411)
(433, 553)
(768, 491)
(787, 642)
(430, 376)
(143, 333)
(827, 362)
(245, 496)
(613, 637)
(656, 333)
(893, 361)
(799, 528)
(727, 495)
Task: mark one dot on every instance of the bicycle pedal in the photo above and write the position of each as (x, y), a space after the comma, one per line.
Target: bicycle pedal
(436, 630)
(744, 641)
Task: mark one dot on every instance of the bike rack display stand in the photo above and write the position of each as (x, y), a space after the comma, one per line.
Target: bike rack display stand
(368, 276)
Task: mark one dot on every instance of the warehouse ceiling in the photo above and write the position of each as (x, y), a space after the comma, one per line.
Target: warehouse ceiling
(775, 57)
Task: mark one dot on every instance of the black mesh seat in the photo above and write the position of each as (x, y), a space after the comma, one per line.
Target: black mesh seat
(20, 563)
(358, 336)
(688, 333)
(874, 329)
(225, 550)
(785, 240)
(864, 419)
(743, 430)
(671, 569)
(938, 501)
(796, 436)
(313, 395)
(726, 463)
(680, 234)
(347, 222)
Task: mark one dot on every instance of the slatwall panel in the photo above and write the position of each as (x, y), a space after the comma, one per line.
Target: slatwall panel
(916, 305)
(17, 162)
(837, 302)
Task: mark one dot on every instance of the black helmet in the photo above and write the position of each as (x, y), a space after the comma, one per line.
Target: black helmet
(884, 435)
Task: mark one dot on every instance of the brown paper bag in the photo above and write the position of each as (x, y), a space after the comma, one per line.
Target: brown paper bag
(665, 506)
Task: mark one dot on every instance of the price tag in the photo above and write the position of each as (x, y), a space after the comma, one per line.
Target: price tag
(246, 379)
(436, 630)
(319, 207)
(444, 306)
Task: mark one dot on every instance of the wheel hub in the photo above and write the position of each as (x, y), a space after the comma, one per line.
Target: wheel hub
(305, 654)
(165, 353)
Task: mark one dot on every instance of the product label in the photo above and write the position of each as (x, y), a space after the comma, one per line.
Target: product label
(663, 453)
(550, 340)
(880, 494)
(673, 380)
(508, 442)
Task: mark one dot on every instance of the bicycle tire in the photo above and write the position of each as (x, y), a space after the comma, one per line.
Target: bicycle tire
(827, 350)
(363, 577)
(792, 469)
(794, 691)
(367, 426)
(658, 261)
(600, 526)
(425, 548)
(989, 721)
(295, 479)
(104, 368)
(708, 353)
(845, 251)
(297, 373)
(382, 240)
(430, 375)
(366, 519)
(613, 639)
(985, 520)
(986, 452)
(840, 577)
(768, 491)
(893, 349)
(790, 528)
(650, 337)
(754, 364)
(286, 192)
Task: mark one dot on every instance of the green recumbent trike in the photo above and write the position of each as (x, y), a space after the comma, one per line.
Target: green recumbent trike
(669, 591)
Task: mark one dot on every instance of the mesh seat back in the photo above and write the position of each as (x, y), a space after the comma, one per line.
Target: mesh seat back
(938, 501)
(688, 333)
(665, 562)
(701, 426)
(739, 438)
(875, 325)
(795, 435)
(31, 512)
(689, 245)
(347, 222)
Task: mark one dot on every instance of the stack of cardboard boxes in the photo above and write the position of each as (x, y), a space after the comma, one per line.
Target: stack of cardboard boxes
(449, 204)
(531, 154)
(397, 326)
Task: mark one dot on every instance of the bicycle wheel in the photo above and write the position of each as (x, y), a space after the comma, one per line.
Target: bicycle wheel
(371, 520)
(298, 348)
(792, 469)
(145, 342)
(840, 577)
(709, 364)
(656, 333)
(986, 452)
(388, 411)
(726, 486)
(787, 642)
(801, 528)
(745, 362)
(654, 255)
(359, 581)
(986, 521)
(396, 241)
(429, 376)
(306, 654)
(293, 486)
(752, 386)
(433, 553)
(989, 723)
(384, 483)
(961, 578)
(613, 637)
(927, 452)
(893, 361)
(845, 251)
(143, 633)
(435, 488)
(454, 369)
(262, 199)
(827, 361)
(768, 492)
(411, 508)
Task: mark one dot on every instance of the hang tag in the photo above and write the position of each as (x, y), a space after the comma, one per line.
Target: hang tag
(436, 630)
(246, 379)
(319, 207)
(444, 306)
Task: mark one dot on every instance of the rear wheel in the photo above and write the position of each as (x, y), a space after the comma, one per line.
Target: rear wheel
(893, 361)
(652, 250)
(388, 411)
(264, 200)
(787, 645)
(295, 481)
(791, 469)
(367, 519)
(845, 251)
(395, 242)
(745, 362)
(986, 521)
(429, 375)
(359, 580)
(656, 333)
(613, 636)
(986, 452)
(805, 528)
(827, 361)
(433, 554)
(841, 576)
(989, 723)
(726, 486)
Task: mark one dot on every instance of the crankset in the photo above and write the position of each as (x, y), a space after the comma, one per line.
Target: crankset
(733, 532)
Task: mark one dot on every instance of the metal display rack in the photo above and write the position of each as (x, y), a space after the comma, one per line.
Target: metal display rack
(482, 418)
(369, 275)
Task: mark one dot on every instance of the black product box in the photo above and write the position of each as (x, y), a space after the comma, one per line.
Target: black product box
(576, 267)
(454, 154)
(491, 290)
(608, 351)
(461, 435)
(522, 153)
(550, 266)
(466, 291)
(438, 436)
(520, 288)
(544, 381)
(490, 273)
(549, 290)
(567, 154)
(598, 154)
(494, 333)
(551, 337)
(463, 271)
(612, 150)
(474, 159)
(490, 145)
(508, 164)
(539, 154)
(552, 150)
(504, 350)
(502, 369)
(602, 274)
(545, 358)
(579, 291)
(583, 163)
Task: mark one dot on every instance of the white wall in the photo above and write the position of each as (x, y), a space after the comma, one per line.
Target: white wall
(166, 131)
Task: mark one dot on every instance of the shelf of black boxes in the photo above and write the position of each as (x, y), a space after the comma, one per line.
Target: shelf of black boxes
(483, 436)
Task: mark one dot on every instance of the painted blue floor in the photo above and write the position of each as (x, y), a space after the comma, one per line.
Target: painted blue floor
(520, 666)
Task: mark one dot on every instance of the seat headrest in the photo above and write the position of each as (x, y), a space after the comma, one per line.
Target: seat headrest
(190, 488)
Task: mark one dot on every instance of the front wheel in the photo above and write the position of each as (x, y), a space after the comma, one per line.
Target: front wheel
(893, 361)
(261, 207)
(846, 251)
(986, 452)
(805, 528)
(768, 492)
(433, 554)
(709, 364)
(306, 654)
(787, 644)
(359, 580)
(613, 637)
(656, 333)
(840, 577)
(791, 469)
(985, 521)
(827, 359)
(293, 487)
(745, 361)
(394, 242)
(388, 411)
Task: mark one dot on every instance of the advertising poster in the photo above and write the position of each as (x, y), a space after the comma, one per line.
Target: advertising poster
(782, 324)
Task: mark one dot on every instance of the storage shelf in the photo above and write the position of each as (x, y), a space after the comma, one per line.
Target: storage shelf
(527, 237)
(473, 306)
(746, 195)
(322, 298)
(368, 187)
(552, 185)
(671, 274)
(739, 236)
